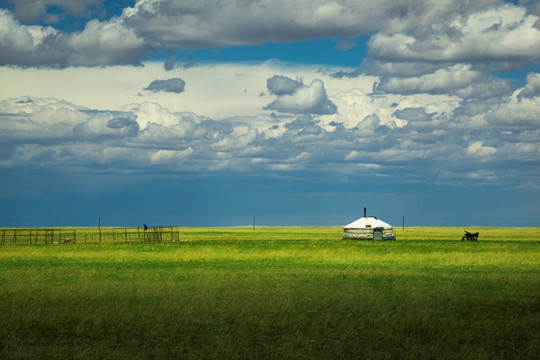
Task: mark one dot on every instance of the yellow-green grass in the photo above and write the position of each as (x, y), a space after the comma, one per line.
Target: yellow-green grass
(276, 293)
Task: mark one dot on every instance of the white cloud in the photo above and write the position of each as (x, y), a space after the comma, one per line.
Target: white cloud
(311, 99)
(459, 80)
(493, 35)
(100, 43)
(532, 88)
(18, 43)
(104, 43)
(152, 24)
(46, 133)
(477, 148)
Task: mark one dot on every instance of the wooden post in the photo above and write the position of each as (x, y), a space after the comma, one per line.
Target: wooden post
(125, 232)
(403, 226)
(99, 227)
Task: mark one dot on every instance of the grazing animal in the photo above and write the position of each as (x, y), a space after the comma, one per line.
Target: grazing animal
(470, 236)
(66, 241)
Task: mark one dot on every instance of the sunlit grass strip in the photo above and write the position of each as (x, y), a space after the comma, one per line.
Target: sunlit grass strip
(92, 234)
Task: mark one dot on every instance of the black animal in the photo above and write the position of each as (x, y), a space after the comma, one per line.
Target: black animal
(470, 237)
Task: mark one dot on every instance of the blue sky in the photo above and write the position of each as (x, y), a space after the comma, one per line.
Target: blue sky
(293, 112)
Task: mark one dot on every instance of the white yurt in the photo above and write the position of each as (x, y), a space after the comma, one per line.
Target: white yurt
(368, 228)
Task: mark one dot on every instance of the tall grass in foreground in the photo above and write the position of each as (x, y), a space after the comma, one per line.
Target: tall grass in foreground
(276, 293)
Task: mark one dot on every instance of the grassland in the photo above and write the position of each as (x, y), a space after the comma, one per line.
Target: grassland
(287, 293)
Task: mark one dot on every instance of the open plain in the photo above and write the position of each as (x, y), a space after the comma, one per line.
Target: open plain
(275, 293)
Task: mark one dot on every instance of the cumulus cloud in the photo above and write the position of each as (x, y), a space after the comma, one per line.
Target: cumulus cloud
(282, 85)
(106, 125)
(153, 24)
(100, 43)
(532, 88)
(175, 85)
(296, 98)
(459, 80)
(504, 34)
(43, 133)
(209, 23)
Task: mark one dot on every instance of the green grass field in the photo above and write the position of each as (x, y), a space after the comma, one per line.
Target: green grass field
(275, 293)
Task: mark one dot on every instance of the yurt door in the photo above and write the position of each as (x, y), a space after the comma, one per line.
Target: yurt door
(378, 233)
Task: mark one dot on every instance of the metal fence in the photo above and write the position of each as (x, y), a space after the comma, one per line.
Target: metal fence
(89, 236)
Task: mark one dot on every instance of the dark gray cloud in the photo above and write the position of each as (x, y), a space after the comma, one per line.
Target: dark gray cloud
(176, 85)
(413, 114)
(208, 23)
(118, 123)
(347, 74)
(282, 85)
(34, 10)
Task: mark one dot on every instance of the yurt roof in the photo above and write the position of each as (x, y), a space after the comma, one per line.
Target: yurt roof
(368, 222)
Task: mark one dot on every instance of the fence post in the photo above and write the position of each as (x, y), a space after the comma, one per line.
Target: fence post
(125, 232)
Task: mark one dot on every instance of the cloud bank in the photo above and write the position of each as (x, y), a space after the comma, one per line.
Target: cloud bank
(486, 31)
(448, 142)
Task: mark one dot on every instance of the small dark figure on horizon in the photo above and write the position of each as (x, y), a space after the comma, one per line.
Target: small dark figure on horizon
(470, 237)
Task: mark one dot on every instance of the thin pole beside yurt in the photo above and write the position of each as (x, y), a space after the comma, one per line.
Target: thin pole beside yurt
(368, 228)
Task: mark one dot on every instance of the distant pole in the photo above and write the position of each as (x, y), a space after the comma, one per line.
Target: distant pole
(99, 227)
(403, 226)
(254, 223)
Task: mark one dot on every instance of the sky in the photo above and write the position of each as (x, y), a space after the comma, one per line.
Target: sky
(278, 112)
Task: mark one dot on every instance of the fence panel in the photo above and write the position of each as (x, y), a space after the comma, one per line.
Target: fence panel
(31, 236)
